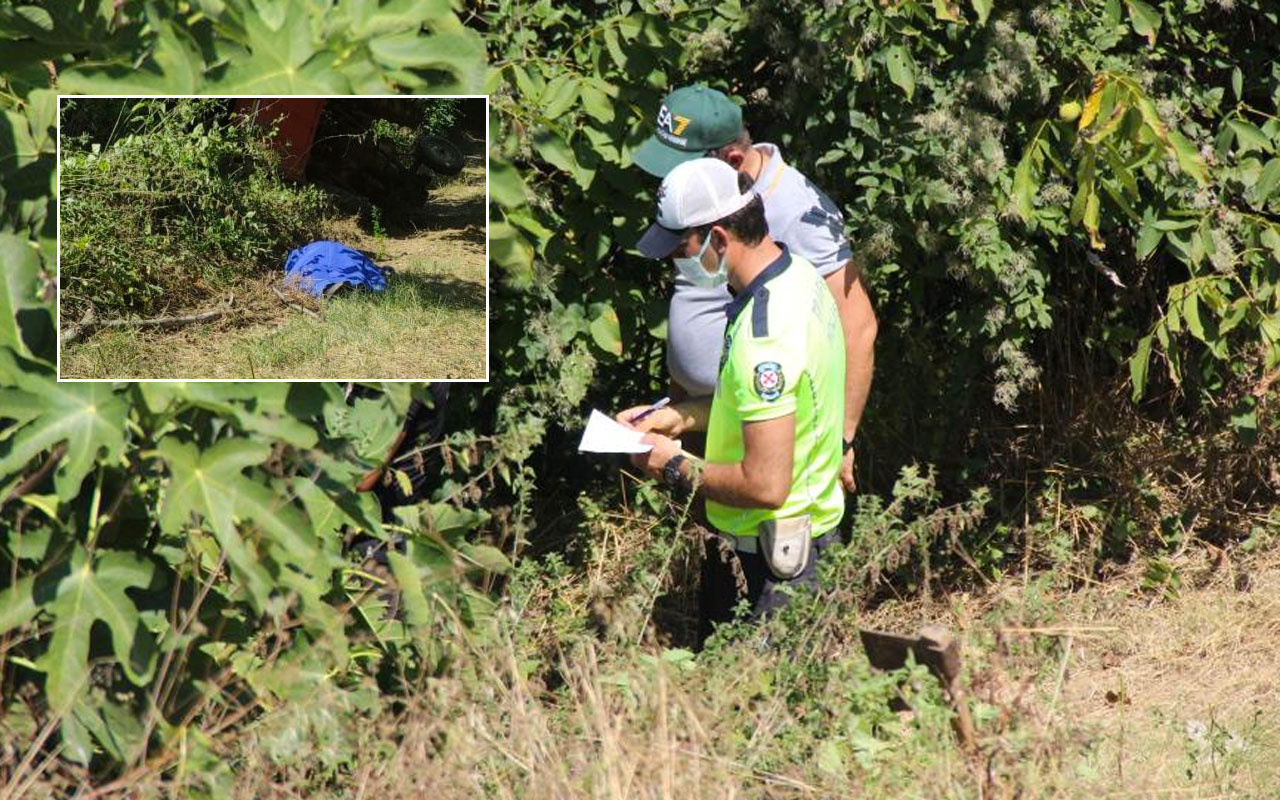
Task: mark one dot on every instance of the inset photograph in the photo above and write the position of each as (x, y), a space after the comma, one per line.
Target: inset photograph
(272, 238)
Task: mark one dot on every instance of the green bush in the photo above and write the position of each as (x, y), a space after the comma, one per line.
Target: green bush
(1028, 270)
(185, 201)
(439, 117)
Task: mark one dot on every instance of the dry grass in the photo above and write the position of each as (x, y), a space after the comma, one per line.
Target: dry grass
(429, 325)
(599, 741)
(1108, 690)
(1104, 692)
(1174, 695)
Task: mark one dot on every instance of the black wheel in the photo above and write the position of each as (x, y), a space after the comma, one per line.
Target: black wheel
(439, 154)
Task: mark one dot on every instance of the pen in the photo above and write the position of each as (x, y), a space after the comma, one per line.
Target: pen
(663, 403)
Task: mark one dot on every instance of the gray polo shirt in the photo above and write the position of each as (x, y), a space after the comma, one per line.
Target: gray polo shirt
(800, 216)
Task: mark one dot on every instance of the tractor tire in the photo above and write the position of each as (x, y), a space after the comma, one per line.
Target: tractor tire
(440, 155)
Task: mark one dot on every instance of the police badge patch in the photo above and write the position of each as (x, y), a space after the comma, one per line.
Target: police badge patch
(769, 381)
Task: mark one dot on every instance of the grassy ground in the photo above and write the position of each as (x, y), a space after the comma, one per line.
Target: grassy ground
(1159, 695)
(1079, 690)
(1104, 691)
(430, 323)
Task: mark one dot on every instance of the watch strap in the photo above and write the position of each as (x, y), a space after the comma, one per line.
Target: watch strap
(671, 471)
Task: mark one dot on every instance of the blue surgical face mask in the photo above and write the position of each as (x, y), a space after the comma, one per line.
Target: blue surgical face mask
(691, 268)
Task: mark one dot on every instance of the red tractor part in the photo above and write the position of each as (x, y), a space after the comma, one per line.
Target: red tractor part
(297, 119)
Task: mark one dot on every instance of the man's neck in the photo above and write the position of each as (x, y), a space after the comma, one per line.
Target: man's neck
(754, 261)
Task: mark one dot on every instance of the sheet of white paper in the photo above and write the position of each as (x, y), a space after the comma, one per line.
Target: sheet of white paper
(604, 435)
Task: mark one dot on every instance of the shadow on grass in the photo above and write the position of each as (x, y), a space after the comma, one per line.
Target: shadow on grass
(440, 214)
(438, 291)
(450, 291)
(471, 234)
(399, 222)
(436, 215)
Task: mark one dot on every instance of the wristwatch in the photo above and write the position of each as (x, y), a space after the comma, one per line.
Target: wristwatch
(671, 471)
(848, 445)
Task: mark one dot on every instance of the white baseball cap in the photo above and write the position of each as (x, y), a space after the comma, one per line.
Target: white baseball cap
(695, 193)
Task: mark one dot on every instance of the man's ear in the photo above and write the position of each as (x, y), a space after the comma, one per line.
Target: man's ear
(734, 157)
(719, 238)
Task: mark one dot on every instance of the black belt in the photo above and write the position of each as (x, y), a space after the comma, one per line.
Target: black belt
(751, 544)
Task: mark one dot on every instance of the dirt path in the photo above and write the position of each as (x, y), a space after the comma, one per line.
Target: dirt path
(431, 323)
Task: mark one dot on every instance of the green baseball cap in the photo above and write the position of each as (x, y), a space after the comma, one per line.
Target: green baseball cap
(691, 121)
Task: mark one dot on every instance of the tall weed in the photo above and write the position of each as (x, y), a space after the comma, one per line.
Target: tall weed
(186, 201)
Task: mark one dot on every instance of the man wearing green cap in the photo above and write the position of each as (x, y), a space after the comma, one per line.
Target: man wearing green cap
(695, 122)
(692, 122)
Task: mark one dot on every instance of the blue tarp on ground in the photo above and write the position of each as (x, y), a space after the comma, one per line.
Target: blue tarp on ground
(322, 267)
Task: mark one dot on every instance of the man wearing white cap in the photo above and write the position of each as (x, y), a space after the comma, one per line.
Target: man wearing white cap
(771, 476)
(697, 121)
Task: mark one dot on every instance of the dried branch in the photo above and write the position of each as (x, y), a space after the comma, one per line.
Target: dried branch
(294, 305)
(89, 322)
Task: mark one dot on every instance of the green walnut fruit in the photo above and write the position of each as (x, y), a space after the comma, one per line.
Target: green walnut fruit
(1069, 111)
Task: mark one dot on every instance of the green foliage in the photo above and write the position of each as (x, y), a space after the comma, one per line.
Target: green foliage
(240, 47)
(1004, 248)
(28, 177)
(375, 222)
(938, 172)
(572, 93)
(196, 525)
(201, 521)
(89, 419)
(1033, 190)
(19, 301)
(439, 117)
(1161, 576)
(95, 590)
(911, 536)
(179, 201)
(1122, 145)
(209, 484)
